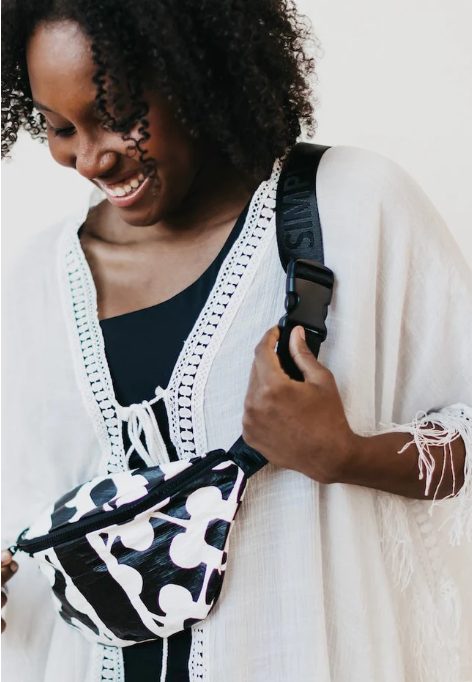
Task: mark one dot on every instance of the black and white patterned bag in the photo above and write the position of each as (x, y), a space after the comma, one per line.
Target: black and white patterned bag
(142, 554)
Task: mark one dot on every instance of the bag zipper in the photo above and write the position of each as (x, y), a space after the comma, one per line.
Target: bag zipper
(61, 535)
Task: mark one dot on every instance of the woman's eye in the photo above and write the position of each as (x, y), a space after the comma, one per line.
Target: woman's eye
(63, 132)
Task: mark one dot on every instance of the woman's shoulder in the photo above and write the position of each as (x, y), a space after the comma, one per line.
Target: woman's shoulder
(366, 199)
(364, 175)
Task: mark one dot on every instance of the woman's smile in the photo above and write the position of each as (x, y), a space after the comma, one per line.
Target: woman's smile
(126, 192)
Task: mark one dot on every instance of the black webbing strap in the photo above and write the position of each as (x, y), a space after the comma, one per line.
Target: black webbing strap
(299, 236)
(298, 222)
(245, 457)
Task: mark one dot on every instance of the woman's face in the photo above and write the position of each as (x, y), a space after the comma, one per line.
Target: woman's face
(60, 69)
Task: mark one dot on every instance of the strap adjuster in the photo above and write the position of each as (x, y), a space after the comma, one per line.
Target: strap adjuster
(309, 291)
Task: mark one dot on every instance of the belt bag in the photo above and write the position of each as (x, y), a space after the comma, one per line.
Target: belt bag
(142, 554)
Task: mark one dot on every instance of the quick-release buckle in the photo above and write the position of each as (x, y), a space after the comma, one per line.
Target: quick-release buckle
(309, 291)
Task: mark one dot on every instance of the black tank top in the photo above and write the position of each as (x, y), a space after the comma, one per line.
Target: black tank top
(142, 348)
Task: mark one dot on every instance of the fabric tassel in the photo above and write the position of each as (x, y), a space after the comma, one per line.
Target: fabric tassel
(435, 621)
(396, 540)
(437, 429)
(435, 618)
(432, 627)
(141, 419)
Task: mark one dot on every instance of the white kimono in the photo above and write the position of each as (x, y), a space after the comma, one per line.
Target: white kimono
(325, 583)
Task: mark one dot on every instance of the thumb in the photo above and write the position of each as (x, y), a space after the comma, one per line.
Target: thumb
(306, 362)
(6, 557)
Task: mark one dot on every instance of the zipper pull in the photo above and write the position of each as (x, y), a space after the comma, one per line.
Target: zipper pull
(14, 548)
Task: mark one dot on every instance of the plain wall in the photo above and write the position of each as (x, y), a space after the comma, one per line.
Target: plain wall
(395, 78)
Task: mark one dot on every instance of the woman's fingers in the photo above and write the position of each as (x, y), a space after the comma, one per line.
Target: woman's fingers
(6, 557)
(9, 568)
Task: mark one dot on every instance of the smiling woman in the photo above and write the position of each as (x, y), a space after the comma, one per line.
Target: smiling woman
(80, 138)
(133, 338)
(84, 137)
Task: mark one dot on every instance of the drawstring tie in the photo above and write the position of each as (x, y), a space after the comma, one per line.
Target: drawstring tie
(141, 418)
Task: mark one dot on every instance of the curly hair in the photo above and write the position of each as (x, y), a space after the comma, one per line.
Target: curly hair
(237, 72)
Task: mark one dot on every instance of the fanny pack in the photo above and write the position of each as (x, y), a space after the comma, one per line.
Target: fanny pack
(142, 554)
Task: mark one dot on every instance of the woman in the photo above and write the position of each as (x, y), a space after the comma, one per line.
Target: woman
(160, 291)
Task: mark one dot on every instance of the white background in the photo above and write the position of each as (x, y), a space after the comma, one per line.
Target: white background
(395, 77)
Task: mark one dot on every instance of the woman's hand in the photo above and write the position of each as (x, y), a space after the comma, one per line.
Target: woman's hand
(9, 568)
(303, 426)
(297, 425)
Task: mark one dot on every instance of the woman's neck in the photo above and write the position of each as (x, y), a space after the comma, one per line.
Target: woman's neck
(218, 195)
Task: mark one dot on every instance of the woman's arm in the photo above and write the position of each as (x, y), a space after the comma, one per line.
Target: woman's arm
(403, 297)
(389, 462)
(303, 426)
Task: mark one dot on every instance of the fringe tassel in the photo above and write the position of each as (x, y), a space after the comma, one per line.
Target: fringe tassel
(429, 605)
(433, 623)
(396, 538)
(441, 429)
(433, 626)
(142, 421)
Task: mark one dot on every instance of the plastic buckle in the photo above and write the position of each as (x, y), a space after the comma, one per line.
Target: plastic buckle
(309, 291)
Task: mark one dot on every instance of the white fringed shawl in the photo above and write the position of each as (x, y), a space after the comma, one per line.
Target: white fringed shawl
(328, 583)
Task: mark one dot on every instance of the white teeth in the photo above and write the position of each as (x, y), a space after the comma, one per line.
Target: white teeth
(130, 186)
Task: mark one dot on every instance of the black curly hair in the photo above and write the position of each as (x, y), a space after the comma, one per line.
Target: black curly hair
(237, 72)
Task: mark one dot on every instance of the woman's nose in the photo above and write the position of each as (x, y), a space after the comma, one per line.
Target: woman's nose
(92, 161)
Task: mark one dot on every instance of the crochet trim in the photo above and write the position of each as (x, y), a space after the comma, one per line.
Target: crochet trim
(198, 663)
(89, 357)
(108, 664)
(184, 398)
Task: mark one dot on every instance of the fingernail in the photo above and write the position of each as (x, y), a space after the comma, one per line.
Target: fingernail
(13, 567)
(301, 331)
(5, 555)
